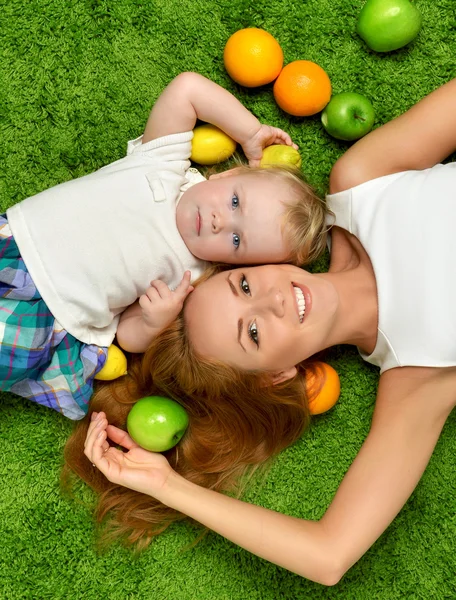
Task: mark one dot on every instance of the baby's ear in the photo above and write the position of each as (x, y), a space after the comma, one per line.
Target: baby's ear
(234, 171)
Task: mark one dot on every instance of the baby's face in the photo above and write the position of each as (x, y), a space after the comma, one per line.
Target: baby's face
(235, 218)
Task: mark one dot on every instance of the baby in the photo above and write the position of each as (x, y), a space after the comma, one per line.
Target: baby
(114, 251)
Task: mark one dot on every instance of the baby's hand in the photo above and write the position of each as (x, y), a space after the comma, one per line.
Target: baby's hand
(265, 136)
(160, 306)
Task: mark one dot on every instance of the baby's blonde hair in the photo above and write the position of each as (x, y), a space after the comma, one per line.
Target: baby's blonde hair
(304, 226)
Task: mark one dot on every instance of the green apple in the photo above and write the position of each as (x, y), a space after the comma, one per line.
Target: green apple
(387, 25)
(156, 423)
(348, 116)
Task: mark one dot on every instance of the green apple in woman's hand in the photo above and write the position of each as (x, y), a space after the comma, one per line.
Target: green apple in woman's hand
(387, 25)
(156, 423)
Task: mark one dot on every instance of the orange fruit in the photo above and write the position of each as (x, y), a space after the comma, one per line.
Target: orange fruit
(323, 388)
(253, 57)
(302, 88)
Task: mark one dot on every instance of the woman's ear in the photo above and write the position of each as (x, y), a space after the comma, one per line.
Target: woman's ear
(233, 171)
(284, 375)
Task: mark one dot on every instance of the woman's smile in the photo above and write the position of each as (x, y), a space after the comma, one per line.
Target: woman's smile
(303, 300)
(266, 316)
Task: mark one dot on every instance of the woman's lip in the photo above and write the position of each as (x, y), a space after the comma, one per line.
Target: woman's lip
(295, 299)
(307, 297)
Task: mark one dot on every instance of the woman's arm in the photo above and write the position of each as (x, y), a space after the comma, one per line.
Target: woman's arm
(411, 410)
(191, 96)
(418, 139)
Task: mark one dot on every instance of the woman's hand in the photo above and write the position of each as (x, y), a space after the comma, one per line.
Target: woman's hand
(264, 137)
(137, 469)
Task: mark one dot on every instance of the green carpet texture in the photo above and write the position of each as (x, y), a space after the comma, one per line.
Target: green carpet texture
(77, 80)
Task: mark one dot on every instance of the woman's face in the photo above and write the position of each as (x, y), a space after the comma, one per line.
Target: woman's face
(269, 318)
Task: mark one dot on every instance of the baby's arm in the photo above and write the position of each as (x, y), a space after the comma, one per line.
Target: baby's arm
(190, 97)
(418, 139)
(141, 322)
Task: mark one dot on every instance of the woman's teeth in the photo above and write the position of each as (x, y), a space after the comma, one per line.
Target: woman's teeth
(301, 302)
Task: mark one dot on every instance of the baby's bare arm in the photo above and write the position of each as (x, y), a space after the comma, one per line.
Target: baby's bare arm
(132, 333)
(191, 96)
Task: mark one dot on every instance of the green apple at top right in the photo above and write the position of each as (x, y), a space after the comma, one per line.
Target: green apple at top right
(387, 25)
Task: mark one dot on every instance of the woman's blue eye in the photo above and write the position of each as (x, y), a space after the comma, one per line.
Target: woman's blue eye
(236, 240)
(244, 285)
(234, 201)
(253, 333)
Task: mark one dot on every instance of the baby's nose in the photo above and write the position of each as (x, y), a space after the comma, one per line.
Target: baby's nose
(217, 222)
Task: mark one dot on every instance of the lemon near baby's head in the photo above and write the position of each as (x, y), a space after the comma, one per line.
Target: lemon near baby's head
(115, 365)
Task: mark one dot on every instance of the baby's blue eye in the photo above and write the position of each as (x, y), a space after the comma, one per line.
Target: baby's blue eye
(234, 201)
(236, 240)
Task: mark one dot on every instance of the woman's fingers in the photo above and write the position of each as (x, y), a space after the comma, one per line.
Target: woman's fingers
(116, 435)
(96, 445)
(98, 455)
(97, 424)
(121, 437)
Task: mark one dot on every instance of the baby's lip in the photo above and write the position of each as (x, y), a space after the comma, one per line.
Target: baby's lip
(198, 222)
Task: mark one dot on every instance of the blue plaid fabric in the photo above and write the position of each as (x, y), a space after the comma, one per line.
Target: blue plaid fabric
(39, 360)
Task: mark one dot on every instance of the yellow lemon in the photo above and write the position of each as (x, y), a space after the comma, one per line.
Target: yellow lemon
(279, 154)
(210, 145)
(323, 389)
(115, 365)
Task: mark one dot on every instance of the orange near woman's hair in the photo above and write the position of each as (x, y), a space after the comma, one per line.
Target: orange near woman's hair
(253, 57)
(323, 388)
(302, 88)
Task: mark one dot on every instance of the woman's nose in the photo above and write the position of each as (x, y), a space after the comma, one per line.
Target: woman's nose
(274, 302)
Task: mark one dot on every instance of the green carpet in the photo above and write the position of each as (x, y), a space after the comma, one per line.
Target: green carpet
(77, 80)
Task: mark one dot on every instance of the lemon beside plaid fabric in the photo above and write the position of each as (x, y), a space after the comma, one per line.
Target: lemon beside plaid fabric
(39, 360)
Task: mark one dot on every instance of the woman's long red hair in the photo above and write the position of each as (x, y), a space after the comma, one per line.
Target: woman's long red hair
(238, 420)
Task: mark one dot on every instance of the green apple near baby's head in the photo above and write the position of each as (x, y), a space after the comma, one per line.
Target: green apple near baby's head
(156, 423)
(348, 116)
(387, 25)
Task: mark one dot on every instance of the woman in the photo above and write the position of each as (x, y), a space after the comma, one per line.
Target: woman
(383, 293)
